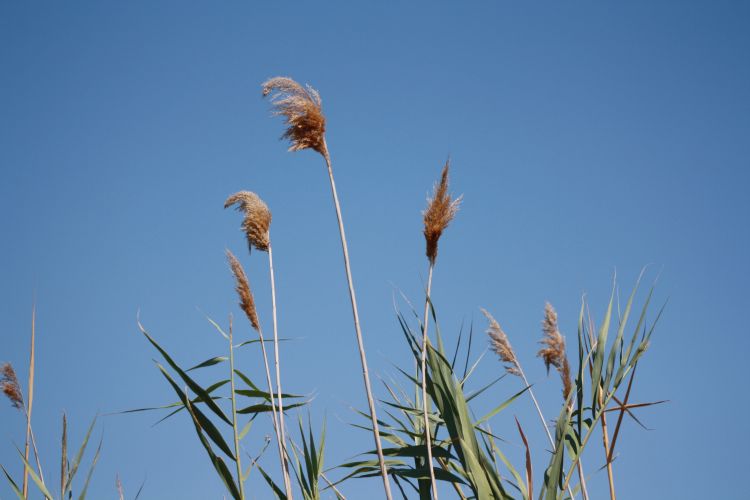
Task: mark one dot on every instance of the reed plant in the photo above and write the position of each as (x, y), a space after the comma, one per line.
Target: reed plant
(11, 387)
(433, 436)
(302, 110)
(441, 209)
(256, 226)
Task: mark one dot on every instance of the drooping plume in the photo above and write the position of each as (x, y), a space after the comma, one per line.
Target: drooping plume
(302, 109)
(257, 219)
(247, 302)
(554, 351)
(11, 387)
(441, 209)
(501, 345)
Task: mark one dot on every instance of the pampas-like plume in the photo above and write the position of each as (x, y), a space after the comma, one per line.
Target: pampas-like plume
(501, 345)
(302, 108)
(554, 352)
(247, 302)
(10, 385)
(441, 209)
(257, 218)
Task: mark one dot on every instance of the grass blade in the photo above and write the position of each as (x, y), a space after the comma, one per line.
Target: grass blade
(197, 389)
(202, 421)
(13, 484)
(91, 472)
(34, 477)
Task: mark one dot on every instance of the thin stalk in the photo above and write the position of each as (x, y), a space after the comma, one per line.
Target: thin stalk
(234, 413)
(36, 451)
(582, 480)
(284, 470)
(358, 331)
(538, 409)
(64, 455)
(332, 486)
(279, 398)
(590, 432)
(28, 407)
(456, 487)
(624, 405)
(605, 442)
(541, 417)
(427, 432)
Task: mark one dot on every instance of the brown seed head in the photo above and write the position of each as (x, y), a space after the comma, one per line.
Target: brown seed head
(247, 302)
(302, 109)
(554, 352)
(257, 219)
(501, 345)
(441, 209)
(10, 385)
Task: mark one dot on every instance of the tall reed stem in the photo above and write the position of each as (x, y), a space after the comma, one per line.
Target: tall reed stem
(427, 432)
(282, 457)
(282, 426)
(544, 422)
(29, 405)
(355, 313)
(605, 442)
(582, 480)
(234, 413)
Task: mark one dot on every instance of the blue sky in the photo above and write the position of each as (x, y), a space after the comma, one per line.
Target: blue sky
(585, 138)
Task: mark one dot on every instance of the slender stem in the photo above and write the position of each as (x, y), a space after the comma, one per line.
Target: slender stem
(605, 442)
(456, 487)
(582, 480)
(332, 486)
(29, 406)
(355, 313)
(538, 409)
(234, 413)
(64, 455)
(284, 470)
(36, 454)
(590, 432)
(282, 426)
(541, 416)
(427, 431)
(623, 404)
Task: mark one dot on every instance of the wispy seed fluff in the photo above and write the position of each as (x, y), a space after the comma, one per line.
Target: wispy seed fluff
(501, 345)
(247, 302)
(257, 218)
(302, 109)
(10, 386)
(441, 209)
(554, 352)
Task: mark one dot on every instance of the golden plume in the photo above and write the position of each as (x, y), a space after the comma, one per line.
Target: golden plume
(441, 209)
(554, 352)
(302, 108)
(501, 345)
(257, 219)
(247, 302)
(10, 385)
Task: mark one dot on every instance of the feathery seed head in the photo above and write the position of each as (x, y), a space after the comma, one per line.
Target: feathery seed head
(501, 345)
(247, 302)
(441, 209)
(257, 219)
(554, 351)
(11, 387)
(302, 109)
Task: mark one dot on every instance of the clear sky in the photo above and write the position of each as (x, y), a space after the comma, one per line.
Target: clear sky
(586, 138)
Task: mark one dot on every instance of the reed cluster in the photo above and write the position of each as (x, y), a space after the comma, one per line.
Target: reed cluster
(435, 443)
